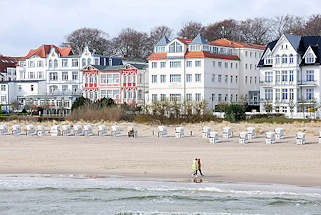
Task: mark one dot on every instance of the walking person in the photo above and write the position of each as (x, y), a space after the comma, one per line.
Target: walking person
(195, 167)
(199, 166)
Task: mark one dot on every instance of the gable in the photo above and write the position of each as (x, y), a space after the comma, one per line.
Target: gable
(308, 51)
(284, 44)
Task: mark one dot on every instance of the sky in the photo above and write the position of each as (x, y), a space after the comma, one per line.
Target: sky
(27, 24)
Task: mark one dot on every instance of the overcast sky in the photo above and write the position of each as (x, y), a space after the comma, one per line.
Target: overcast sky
(27, 24)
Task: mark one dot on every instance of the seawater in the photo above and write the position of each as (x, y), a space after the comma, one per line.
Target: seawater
(61, 194)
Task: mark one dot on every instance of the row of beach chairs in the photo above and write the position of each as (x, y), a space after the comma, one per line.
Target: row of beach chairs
(65, 130)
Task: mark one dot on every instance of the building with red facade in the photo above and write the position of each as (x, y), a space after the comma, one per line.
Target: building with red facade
(124, 83)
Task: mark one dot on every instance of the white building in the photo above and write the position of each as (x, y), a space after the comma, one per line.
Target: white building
(220, 71)
(60, 68)
(290, 74)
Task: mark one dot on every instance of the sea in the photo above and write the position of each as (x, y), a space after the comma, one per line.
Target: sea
(77, 194)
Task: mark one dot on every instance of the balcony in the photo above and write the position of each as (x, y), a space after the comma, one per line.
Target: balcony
(307, 83)
(266, 84)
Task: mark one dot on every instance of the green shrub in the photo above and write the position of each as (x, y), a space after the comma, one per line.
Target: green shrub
(234, 113)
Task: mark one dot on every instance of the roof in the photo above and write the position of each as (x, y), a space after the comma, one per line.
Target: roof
(199, 39)
(22, 81)
(300, 45)
(185, 41)
(44, 50)
(234, 44)
(163, 41)
(199, 54)
(7, 62)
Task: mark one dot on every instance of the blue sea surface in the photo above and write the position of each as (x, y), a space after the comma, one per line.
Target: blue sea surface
(62, 194)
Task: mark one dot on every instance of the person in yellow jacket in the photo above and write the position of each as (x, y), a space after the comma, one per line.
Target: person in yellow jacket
(195, 167)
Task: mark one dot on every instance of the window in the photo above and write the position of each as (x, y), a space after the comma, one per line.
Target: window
(55, 63)
(160, 49)
(219, 64)
(198, 63)
(39, 63)
(64, 88)
(175, 64)
(109, 78)
(284, 59)
(245, 53)
(213, 97)
(53, 88)
(188, 97)
(284, 76)
(219, 78)
(251, 80)
(268, 93)
(231, 65)
(163, 97)
(175, 78)
(277, 76)
(31, 75)
(3, 87)
(65, 76)
(291, 94)
(226, 77)
(269, 59)
(246, 66)
(154, 78)
(74, 62)
(277, 59)
(88, 61)
(3, 99)
(255, 79)
(236, 79)
(154, 65)
(140, 94)
(219, 97)
(309, 94)
(284, 94)
(64, 62)
(189, 63)
(175, 48)
(31, 64)
(291, 76)
(188, 77)
(197, 97)
(226, 65)
(154, 97)
(74, 88)
(309, 58)
(53, 76)
(83, 62)
(175, 97)
(225, 97)
(114, 94)
(163, 78)
(277, 94)
(236, 65)
(162, 64)
(213, 77)
(40, 75)
(197, 77)
(309, 75)
(74, 76)
(250, 66)
(213, 63)
(291, 58)
(246, 79)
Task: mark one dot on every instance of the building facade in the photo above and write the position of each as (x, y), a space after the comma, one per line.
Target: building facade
(61, 70)
(221, 71)
(124, 83)
(290, 74)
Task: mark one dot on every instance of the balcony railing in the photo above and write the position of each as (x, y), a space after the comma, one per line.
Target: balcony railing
(307, 83)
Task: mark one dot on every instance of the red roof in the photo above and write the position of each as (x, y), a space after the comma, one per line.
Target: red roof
(234, 44)
(44, 50)
(200, 54)
(6, 62)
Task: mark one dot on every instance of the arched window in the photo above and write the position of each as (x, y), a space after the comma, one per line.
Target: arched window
(83, 62)
(50, 63)
(88, 61)
(277, 59)
(55, 63)
(284, 59)
(291, 58)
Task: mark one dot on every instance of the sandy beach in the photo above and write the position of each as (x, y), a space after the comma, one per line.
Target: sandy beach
(152, 157)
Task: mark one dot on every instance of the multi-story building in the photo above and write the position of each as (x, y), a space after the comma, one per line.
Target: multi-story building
(60, 68)
(221, 71)
(290, 74)
(124, 83)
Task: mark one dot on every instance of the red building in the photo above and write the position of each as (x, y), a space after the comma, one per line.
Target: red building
(123, 83)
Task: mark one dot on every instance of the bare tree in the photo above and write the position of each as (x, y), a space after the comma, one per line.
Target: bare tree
(95, 39)
(190, 30)
(287, 24)
(227, 29)
(313, 25)
(155, 35)
(131, 43)
(255, 30)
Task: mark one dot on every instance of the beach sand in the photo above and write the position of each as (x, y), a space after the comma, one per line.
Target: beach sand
(168, 158)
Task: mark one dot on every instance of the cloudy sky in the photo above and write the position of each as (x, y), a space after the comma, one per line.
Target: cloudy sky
(26, 24)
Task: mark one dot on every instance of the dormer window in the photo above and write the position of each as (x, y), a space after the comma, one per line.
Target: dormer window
(175, 48)
(284, 59)
(206, 48)
(269, 60)
(310, 58)
(215, 50)
(159, 49)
